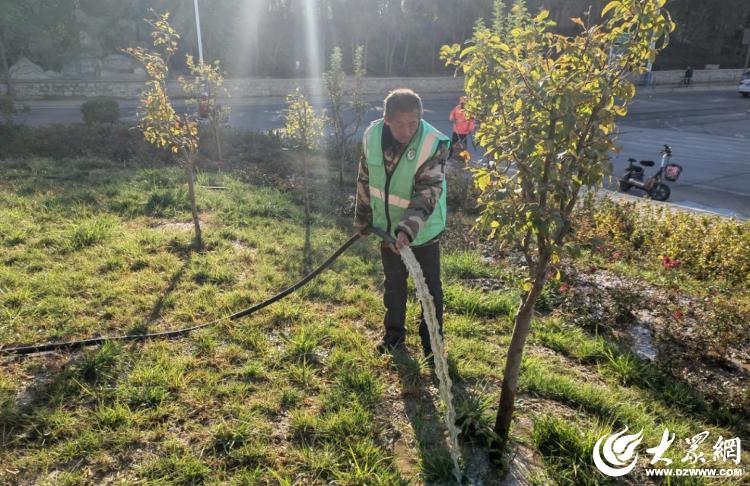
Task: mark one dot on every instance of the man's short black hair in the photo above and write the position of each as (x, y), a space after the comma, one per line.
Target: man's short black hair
(402, 100)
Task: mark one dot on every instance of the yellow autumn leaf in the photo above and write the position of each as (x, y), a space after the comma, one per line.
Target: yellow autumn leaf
(482, 181)
(609, 7)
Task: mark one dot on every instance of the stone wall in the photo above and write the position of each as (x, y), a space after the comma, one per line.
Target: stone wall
(252, 88)
(56, 89)
(238, 88)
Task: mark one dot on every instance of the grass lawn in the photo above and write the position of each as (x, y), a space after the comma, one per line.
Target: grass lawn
(295, 393)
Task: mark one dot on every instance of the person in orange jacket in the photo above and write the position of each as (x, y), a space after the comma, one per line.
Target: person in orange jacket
(462, 126)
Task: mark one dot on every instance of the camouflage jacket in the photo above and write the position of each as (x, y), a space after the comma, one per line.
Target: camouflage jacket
(428, 187)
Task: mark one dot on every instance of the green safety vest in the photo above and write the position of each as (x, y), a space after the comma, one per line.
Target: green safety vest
(391, 195)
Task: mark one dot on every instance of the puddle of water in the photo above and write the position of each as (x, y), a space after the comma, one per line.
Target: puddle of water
(642, 342)
(438, 351)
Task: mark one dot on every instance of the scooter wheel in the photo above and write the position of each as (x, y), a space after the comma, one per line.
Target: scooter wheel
(660, 192)
(624, 186)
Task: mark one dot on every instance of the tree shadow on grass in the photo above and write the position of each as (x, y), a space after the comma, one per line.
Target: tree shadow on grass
(62, 378)
(159, 304)
(472, 408)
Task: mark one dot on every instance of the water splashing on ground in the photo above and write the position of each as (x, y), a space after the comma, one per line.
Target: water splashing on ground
(440, 356)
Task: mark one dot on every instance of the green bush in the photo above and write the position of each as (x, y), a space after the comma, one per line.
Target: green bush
(100, 110)
(9, 108)
(119, 142)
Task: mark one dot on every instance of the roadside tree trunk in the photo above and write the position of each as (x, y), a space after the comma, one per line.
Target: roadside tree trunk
(406, 54)
(189, 159)
(218, 140)
(4, 65)
(341, 152)
(306, 175)
(521, 329)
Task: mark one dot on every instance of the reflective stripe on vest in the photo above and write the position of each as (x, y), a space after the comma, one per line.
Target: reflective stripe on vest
(395, 200)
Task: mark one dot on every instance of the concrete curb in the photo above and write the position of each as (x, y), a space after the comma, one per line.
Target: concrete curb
(672, 206)
(643, 90)
(251, 88)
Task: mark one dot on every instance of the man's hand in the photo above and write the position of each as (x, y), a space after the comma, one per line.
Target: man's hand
(402, 240)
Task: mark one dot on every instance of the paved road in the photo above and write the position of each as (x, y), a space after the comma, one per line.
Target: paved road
(709, 131)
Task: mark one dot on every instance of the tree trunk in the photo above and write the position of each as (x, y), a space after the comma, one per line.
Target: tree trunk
(521, 328)
(387, 56)
(4, 64)
(391, 54)
(193, 206)
(342, 158)
(435, 49)
(218, 140)
(256, 49)
(337, 121)
(364, 56)
(306, 187)
(406, 54)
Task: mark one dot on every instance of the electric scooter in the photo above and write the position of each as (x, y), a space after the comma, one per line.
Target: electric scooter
(654, 185)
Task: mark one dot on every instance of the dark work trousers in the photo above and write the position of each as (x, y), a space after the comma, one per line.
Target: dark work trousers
(394, 297)
(455, 146)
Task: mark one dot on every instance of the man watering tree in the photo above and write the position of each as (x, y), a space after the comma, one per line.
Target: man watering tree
(401, 190)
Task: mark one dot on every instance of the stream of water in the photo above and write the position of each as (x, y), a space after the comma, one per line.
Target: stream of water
(441, 358)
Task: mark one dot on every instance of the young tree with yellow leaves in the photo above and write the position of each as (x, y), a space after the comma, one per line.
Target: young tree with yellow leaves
(161, 124)
(546, 105)
(304, 131)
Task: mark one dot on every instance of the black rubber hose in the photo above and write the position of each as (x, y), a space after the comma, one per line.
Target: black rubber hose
(299, 284)
(39, 348)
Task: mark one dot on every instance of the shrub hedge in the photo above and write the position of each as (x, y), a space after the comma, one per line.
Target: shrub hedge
(100, 110)
(706, 246)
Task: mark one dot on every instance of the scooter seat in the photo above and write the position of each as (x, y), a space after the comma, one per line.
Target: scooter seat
(647, 163)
